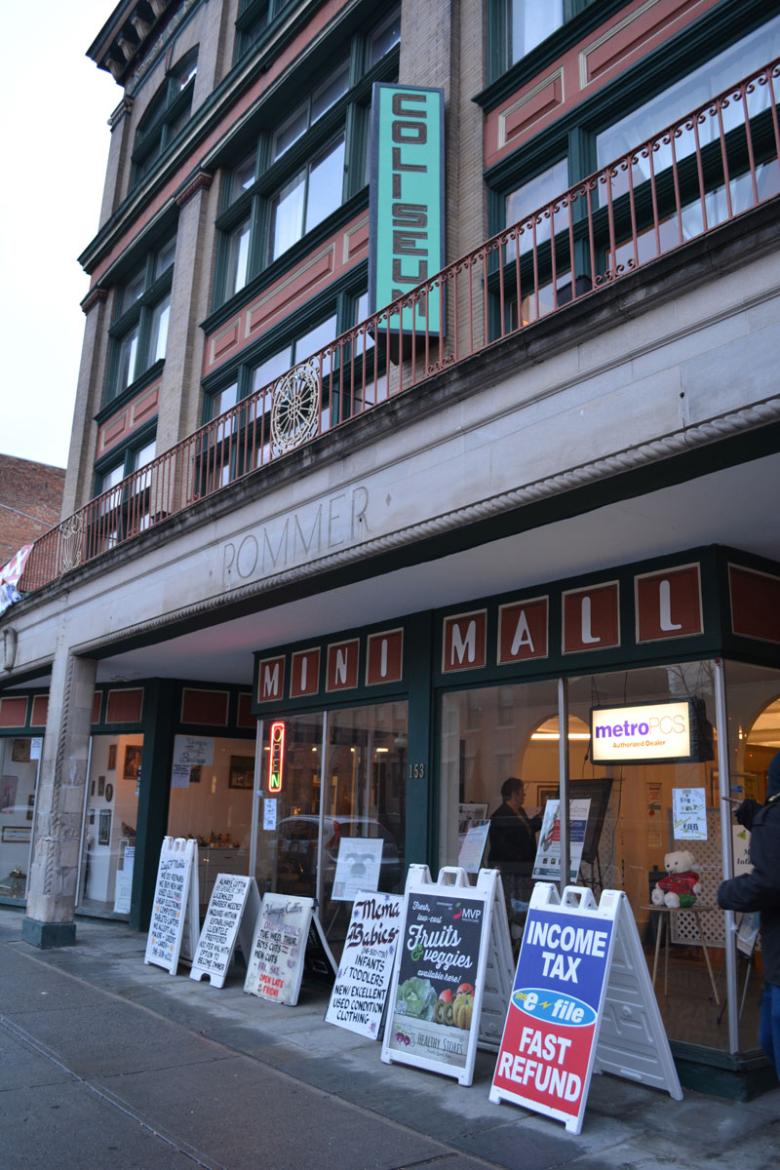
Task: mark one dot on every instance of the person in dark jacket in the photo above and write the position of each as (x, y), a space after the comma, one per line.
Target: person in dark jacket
(760, 890)
(513, 843)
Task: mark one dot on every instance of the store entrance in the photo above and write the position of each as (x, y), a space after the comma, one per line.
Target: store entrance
(339, 821)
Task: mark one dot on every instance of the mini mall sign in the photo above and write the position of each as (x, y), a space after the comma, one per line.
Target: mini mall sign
(646, 733)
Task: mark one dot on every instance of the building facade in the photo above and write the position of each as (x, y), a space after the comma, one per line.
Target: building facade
(428, 407)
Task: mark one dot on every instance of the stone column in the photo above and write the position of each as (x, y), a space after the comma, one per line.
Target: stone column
(59, 804)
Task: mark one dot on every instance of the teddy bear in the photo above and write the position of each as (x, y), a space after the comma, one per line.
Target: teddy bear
(680, 887)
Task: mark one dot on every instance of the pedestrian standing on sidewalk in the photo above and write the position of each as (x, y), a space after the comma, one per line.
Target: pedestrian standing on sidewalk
(760, 891)
(513, 843)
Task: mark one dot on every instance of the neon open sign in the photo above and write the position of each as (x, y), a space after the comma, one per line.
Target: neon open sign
(276, 758)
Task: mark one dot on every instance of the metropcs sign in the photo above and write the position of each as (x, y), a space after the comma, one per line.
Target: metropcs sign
(645, 733)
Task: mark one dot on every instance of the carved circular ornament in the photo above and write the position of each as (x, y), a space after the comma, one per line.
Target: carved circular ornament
(295, 409)
(71, 546)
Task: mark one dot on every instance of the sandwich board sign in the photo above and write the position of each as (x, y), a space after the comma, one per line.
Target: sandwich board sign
(359, 993)
(582, 1002)
(175, 909)
(232, 911)
(452, 974)
(275, 961)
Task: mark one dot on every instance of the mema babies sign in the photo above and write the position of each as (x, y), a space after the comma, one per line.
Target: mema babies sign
(574, 956)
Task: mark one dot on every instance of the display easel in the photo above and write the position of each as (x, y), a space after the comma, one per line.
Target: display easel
(455, 935)
(582, 1002)
(232, 912)
(173, 929)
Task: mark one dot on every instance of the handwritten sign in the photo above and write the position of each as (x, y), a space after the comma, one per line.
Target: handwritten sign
(278, 948)
(171, 900)
(359, 993)
(220, 930)
(189, 751)
(357, 867)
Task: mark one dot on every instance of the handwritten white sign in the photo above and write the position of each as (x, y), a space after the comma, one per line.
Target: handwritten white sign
(359, 993)
(275, 965)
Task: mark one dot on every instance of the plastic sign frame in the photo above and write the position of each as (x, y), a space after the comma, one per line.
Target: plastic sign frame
(647, 733)
(276, 757)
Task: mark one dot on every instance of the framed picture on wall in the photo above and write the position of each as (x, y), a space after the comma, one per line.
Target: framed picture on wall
(242, 772)
(30, 806)
(8, 786)
(20, 751)
(104, 827)
(101, 785)
(111, 765)
(132, 765)
(15, 834)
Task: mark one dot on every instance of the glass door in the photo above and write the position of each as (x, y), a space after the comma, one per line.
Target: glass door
(337, 825)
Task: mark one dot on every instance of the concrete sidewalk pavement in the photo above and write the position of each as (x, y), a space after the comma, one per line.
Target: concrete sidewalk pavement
(109, 1064)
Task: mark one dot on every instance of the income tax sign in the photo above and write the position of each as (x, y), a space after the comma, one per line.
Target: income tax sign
(551, 1028)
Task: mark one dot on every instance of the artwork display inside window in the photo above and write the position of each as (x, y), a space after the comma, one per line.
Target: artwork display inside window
(110, 825)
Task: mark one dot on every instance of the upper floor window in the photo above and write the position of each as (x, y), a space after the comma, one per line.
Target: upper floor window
(303, 167)
(255, 18)
(165, 116)
(139, 334)
(695, 88)
(529, 23)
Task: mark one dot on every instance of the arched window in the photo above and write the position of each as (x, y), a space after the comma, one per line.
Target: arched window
(166, 114)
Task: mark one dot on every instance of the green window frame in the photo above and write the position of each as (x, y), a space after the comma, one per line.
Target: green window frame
(123, 511)
(139, 333)
(517, 27)
(307, 159)
(166, 115)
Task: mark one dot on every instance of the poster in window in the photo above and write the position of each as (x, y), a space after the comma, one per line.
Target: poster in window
(242, 772)
(20, 751)
(111, 765)
(8, 786)
(132, 765)
(104, 827)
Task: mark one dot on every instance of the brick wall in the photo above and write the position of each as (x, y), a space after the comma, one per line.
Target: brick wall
(30, 501)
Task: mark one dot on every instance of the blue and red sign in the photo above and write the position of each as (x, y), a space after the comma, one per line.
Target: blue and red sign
(549, 1036)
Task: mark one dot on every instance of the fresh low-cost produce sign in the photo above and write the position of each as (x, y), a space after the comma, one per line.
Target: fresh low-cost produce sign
(434, 1003)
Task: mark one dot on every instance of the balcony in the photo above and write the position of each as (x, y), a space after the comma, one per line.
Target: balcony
(706, 170)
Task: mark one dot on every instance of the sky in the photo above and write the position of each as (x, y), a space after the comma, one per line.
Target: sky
(54, 110)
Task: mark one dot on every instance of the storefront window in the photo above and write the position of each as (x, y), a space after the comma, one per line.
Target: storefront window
(642, 824)
(19, 761)
(111, 819)
(361, 778)
(753, 701)
(488, 737)
(211, 800)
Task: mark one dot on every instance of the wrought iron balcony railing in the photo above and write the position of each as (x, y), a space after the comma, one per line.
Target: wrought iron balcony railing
(718, 162)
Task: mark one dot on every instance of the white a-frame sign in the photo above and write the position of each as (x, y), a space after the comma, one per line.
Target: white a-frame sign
(232, 912)
(175, 912)
(582, 1002)
(452, 974)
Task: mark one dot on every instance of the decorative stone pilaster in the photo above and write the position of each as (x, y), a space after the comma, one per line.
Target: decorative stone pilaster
(59, 805)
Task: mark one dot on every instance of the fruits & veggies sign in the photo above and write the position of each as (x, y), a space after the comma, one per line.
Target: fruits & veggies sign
(431, 1016)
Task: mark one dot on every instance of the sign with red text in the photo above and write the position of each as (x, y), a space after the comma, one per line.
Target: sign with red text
(275, 966)
(359, 993)
(453, 969)
(576, 959)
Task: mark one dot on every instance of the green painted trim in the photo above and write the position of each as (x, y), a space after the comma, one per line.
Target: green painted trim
(503, 82)
(114, 405)
(211, 112)
(714, 31)
(153, 797)
(48, 935)
(349, 284)
(283, 264)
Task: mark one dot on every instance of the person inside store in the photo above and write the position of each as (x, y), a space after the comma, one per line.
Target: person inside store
(512, 850)
(760, 891)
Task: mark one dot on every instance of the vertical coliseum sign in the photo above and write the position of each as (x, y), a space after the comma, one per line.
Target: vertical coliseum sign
(407, 202)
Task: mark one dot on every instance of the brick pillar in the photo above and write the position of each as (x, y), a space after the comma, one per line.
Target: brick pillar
(59, 804)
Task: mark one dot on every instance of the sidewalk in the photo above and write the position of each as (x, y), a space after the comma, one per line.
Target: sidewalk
(108, 1064)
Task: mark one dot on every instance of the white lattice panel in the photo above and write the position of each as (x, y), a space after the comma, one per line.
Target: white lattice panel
(709, 863)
